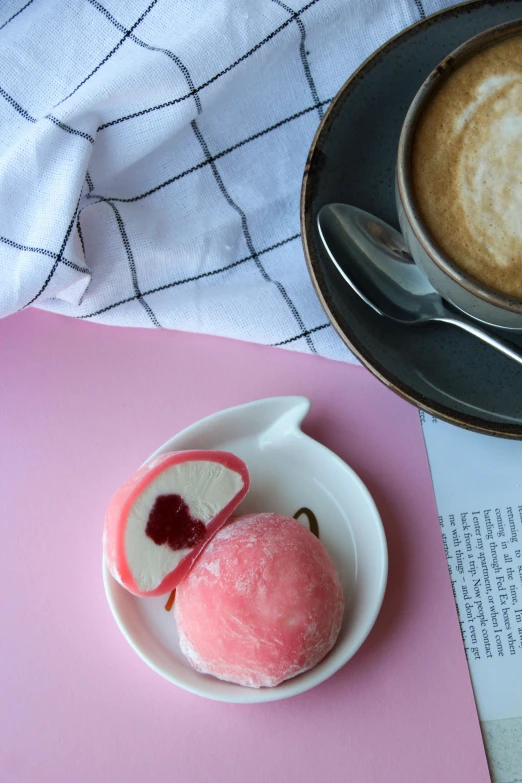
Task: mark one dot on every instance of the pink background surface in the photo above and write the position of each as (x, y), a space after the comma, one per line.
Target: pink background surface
(81, 406)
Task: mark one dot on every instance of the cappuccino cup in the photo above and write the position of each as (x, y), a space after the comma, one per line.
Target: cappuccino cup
(459, 177)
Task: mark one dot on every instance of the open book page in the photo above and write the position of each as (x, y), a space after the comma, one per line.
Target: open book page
(478, 488)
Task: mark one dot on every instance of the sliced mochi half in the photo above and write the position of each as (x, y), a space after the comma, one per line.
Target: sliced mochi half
(161, 517)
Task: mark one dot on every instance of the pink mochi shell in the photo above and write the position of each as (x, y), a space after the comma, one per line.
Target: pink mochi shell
(262, 603)
(121, 504)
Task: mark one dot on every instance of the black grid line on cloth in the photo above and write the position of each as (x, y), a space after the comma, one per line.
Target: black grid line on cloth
(304, 56)
(248, 239)
(184, 70)
(132, 266)
(113, 50)
(58, 257)
(90, 186)
(208, 161)
(210, 81)
(15, 15)
(69, 129)
(25, 114)
(420, 9)
(42, 251)
(80, 234)
(210, 273)
(303, 334)
(16, 106)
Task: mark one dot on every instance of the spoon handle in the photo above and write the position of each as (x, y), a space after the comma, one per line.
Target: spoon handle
(504, 346)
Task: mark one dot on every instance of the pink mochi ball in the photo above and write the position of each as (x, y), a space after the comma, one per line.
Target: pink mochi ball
(262, 603)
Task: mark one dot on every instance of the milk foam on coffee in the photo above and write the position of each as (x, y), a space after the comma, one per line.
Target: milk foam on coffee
(467, 166)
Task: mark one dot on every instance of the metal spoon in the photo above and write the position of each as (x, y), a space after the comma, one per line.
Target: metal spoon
(374, 260)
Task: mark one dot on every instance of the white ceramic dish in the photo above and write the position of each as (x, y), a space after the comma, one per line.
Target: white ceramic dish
(288, 471)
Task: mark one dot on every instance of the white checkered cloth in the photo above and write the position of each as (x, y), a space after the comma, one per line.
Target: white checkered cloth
(152, 153)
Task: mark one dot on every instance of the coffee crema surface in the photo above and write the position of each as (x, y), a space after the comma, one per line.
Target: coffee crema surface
(467, 166)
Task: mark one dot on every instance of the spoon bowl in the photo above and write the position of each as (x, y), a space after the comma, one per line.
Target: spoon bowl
(373, 258)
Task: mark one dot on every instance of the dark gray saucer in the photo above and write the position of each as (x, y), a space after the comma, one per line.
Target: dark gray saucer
(352, 160)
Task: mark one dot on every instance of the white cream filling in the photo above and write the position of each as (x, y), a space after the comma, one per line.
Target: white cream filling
(206, 487)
